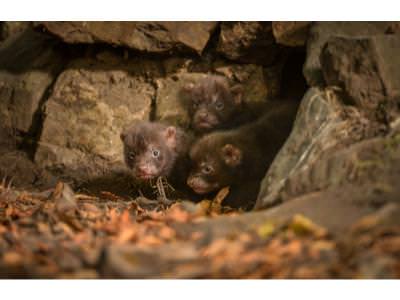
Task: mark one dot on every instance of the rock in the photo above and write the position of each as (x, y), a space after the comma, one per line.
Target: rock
(90, 104)
(10, 28)
(143, 36)
(322, 123)
(292, 33)
(321, 32)
(248, 42)
(369, 164)
(29, 64)
(17, 168)
(8, 139)
(368, 71)
(121, 261)
(260, 84)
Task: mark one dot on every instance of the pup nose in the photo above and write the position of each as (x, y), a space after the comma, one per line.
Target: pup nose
(143, 169)
(203, 115)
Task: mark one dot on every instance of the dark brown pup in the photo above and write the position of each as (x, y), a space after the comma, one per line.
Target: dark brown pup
(240, 156)
(153, 149)
(213, 104)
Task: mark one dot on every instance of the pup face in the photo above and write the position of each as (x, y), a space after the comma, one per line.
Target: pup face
(213, 167)
(212, 103)
(149, 149)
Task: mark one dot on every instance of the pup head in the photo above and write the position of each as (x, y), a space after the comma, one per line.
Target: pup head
(213, 166)
(212, 103)
(149, 149)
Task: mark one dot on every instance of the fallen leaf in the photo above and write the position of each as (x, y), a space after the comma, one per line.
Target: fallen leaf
(150, 240)
(266, 230)
(167, 233)
(127, 234)
(301, 225)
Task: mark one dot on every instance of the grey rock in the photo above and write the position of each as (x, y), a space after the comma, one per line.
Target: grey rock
(10, 28)
(29, 63)
(291, 33)
(260, 84)
(144, 36)
(368, 71)
(321, 32)
(21, 172)
(322, 123)
(91, 103)
(248, 42)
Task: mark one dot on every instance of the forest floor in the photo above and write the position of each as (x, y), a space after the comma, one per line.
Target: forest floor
(60, 234)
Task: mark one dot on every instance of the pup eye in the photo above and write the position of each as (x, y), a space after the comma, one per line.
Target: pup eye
(219, 105)
(155, 153)
(132, 155)
(207, 169)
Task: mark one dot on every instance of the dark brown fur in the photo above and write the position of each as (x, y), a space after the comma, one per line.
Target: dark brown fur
(241, 156)
(153, 149)
(213, 104)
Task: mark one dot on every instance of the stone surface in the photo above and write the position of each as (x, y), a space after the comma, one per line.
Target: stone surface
(29, 63)
(248, 42)
(10, 28)
(260, 84)
(321, 32)
(91, 102)
(8, 139)
(323, 123)
(370, 166)
(17, 169)
(368, 71)
(143, 36)
(291, 33)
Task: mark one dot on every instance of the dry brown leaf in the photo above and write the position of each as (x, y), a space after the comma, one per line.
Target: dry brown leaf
(167, 233)
(197, 235)
(215, 248)
(150, 240)
(12, 258)
(176, 213)
(127, 234)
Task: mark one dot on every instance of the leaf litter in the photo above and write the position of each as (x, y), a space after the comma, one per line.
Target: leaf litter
(60, 234)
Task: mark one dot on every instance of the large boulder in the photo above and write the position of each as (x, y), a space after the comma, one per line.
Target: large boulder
(369, 166)
(322, 124)
(248, 42)
(291, 33)
(368, 71)
(321, 32)
(90, 104)
(143, 36)
(29, 64)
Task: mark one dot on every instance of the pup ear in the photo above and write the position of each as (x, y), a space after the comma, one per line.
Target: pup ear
(231, 155)
(170, 136)
(237, 92)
